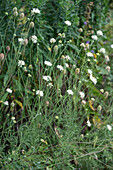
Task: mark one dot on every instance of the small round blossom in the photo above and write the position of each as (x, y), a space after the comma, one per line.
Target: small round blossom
(35, 10)
(88, 123)
(82, 45)
(15, 13)
(68, 23)
(8, 48)
(52, 40)
(13, 118)
(6, 103)
(108, 68)
(40, 93)
(102, 50)
(109, 127)
(102, 90)
(80, 30)
(14, 9)
(34, 39)
(94, 37)
(67, 57)
(31, 25)
(47, 63)
(82, 95)
(89, 54)
(21, 40)
(70, 92)
(83, 102)
(99, 32)
(21, 63)
(99, 108)
(22, 15)
(9, 90)
(77, 70)
(47, 78)
(50, 85)
(93, 79)
(111, 45)
(67, 65)
(60, 67)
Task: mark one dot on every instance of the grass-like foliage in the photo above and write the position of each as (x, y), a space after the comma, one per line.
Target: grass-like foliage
(56, 85)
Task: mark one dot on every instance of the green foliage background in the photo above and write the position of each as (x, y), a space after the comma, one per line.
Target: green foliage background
(55, 136)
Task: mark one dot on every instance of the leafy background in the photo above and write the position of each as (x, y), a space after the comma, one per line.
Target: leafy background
(51, 132)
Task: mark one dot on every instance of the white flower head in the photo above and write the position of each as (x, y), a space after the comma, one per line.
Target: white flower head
(68, 23)
(6, 103)
(89, 54)
(47, 63)
(88, 123)
(108, 68)
(21, 63)
(99, 32)
(34, 38)
(111, 45)
(94, 37)
(89, 71)
(35, 10)
(21, 40)
(40, 93)
(70, 92)
(109, 127)
(93, 79)
(83, 102)
(52, 40)
(102, 50)
(47, 78)
(60, 67)
(82, 45)
(67, 57)
(9, 90)
(67, 65)
(50, 85)
(82, 95)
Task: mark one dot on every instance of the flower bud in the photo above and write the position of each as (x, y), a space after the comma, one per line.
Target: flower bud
(15, 9)
(15, 13)
(99, 108)
(25, 42)
(83, 102)
(77, 70)
(106, 94)
(47, 103)
(63, 35)
(8, 48)
(1, 56)
(31, 25)
(80, 30)
(22, 15)
(30, 66)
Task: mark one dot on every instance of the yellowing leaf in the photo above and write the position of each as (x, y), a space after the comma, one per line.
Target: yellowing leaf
(90, 105)
(19, 103)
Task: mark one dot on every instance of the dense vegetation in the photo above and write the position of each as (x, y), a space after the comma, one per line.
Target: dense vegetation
(56, 84)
